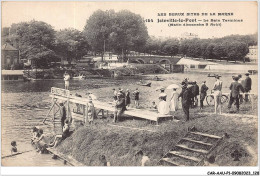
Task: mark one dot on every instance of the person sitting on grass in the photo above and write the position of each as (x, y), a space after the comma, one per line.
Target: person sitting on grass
(144, 159)
(14, 148)
(103, 160)
(59, 138)
(153, 106)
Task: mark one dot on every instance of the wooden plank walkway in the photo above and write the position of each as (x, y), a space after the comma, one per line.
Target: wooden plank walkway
(140, 113)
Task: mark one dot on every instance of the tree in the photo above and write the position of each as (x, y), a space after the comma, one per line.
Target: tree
(237, 51)
(98, 29)
(170, 47)
(71, 44)
(119, 32)
(35, 40)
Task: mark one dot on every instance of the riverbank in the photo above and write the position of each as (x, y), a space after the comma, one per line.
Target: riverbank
(119, 144)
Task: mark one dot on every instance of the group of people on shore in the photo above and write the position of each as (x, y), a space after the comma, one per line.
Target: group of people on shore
(122, 100)
(191, 93)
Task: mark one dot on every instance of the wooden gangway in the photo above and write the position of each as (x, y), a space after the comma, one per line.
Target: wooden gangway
(62, 95)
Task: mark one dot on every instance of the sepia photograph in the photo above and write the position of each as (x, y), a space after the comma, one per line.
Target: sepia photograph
(165, 84)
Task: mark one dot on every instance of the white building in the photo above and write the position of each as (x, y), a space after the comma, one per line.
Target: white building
(188, 35)
(253, 54)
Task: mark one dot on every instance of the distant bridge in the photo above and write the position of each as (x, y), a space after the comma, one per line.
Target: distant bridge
(169, 63)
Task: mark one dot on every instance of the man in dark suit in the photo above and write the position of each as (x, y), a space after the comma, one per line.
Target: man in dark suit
(247, 85)
(196, 92)
(203, 93)
(119, 107)
(235, 87)
(186, 99)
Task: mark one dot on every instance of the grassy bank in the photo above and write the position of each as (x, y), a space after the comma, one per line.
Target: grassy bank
(120, 145)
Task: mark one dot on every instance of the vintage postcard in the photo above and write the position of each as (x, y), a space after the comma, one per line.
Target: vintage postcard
(129, 84)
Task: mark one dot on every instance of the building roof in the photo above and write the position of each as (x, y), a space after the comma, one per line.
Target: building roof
(8, 47)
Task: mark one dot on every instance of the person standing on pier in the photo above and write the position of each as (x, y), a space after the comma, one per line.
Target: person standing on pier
(136, 94)
(127, 98)
(114, 94)
(63, 114)
(67, 80)
(119, 107)
(203, 93)
(217, 88)
(186, 98)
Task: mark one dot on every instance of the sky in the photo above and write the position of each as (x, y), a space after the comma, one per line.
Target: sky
(66, 14)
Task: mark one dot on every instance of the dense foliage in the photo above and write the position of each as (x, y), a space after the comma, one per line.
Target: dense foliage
(117, 32)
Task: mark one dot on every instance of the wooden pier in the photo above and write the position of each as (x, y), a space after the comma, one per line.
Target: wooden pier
(62, 95)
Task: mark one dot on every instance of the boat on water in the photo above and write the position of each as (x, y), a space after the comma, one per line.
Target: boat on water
(79, 77)
(145, 84)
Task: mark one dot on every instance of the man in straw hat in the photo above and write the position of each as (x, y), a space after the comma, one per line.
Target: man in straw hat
(217, 88)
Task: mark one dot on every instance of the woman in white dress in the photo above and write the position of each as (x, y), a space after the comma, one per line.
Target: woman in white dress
(174, 100)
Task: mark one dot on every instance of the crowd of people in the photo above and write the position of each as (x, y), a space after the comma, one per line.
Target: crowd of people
(191, 94)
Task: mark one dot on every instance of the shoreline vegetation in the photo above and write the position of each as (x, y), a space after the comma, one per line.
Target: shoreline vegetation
(120, 145)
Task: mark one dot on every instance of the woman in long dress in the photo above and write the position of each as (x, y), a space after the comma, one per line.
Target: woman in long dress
(174, 100)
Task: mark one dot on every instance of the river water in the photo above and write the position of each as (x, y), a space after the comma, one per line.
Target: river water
(24, 105)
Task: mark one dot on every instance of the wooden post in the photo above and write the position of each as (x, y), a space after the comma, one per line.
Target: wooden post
(54, 117)
(86, 115)
(102, 113)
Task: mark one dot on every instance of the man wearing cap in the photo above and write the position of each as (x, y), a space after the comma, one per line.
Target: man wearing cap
(119, 107)
(203, 93)
(247, 85)
(186, 96)
(235, 87)
(217, 88)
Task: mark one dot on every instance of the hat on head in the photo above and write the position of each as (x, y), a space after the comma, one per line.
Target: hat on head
(119, 94)
(204, 81)
(236, 78)
(239, 76)
(13, 143)
(247, 74)
(217, 76)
